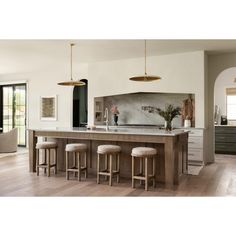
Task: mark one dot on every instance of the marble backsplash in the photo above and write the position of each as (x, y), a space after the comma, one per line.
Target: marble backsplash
(131, 112)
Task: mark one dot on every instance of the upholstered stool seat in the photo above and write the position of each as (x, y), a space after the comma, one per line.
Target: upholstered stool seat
(144, 154)
(77, 150)
(47, 165)
(106, 149)
(45, 145)
(143, 151)
(76, 147)
(113, 151)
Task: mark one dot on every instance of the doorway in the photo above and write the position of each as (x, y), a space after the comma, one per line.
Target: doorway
(13, 110)
(80, 105)
(225, 112)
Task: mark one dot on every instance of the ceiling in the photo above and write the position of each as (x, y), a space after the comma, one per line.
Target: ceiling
(25, 55)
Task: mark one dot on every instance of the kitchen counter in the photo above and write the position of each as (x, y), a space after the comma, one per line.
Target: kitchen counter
(118, 130)
(225, 139)
(225, 126)
(172, 147)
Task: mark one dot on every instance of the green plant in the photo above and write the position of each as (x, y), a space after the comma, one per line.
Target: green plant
(169, 113)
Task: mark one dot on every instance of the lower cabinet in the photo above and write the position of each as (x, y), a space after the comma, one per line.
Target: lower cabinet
(225, 140)
(196, 146)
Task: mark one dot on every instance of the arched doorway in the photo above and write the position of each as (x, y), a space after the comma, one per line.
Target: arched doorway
(225, 112)
(80, 105)
(224, 81)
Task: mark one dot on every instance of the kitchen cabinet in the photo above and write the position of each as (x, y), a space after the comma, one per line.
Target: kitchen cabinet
(98, 111)
(196, 147)
(225, 139)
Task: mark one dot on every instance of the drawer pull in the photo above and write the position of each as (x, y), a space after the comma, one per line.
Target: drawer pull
(191, 154)
(191, 142)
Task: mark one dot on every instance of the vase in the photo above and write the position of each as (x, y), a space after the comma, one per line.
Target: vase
(187, 123)
(115, 119)
(168, 125)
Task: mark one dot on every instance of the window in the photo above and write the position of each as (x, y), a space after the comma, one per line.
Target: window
(231, 103)
(13, 110)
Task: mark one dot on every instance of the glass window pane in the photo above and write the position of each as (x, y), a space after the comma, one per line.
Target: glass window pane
(16, 94)
(231, 107)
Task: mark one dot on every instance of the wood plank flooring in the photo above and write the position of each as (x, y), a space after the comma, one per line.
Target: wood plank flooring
(217, 179)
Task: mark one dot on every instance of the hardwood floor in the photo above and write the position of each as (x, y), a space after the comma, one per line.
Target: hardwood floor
(217, 179)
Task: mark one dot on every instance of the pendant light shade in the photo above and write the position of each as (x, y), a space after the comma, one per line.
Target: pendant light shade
(145, 77)
(72, 82)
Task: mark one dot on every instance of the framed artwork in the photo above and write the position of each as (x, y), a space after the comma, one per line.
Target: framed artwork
(48, 107)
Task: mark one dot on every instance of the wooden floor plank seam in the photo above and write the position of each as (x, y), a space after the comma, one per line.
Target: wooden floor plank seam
(217, 179)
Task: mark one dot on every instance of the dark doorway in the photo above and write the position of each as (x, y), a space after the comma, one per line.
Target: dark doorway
(80, 105)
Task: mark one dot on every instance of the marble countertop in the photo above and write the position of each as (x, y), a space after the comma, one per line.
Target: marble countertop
(118, 130)
(225, 125)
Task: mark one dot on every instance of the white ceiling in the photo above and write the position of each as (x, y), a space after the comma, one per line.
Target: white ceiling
(17, 56)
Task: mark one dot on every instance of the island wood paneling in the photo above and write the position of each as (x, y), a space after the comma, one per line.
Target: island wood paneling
(172, 150)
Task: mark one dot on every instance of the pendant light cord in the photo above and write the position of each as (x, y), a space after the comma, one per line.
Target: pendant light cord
(145, 62)
(71, 45)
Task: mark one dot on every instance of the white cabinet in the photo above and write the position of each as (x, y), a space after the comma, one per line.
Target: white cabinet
(196, 146)
(98, 111)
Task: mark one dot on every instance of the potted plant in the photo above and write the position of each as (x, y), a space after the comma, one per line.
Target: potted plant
(169, 114)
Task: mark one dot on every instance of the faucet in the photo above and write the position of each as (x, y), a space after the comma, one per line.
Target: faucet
(106, 117)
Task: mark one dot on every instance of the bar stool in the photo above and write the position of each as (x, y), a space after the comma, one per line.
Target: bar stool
(77, 150)
(113, 151)
(144, 154)
(47, 147)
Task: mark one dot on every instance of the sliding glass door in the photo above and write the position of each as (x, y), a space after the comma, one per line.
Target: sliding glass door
(14, 110)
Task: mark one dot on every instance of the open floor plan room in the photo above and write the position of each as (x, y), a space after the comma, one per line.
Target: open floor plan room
(117, 117)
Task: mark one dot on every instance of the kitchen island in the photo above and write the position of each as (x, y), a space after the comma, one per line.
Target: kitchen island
(172, 147)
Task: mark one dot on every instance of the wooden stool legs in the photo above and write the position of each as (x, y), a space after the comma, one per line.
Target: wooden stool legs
(146, 174)
(146, 177)
(47, 161)
(98, 169)
(133, 172)
(77, 167)
(37, 162)
(67, 166)
(118, 167)
(154, 172)
(108, 171)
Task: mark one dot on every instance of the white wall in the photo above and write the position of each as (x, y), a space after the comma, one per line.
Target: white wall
(223, 81)
(44, 83)
(181, 73)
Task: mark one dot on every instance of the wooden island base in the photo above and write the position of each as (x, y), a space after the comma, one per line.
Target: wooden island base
(172, 148)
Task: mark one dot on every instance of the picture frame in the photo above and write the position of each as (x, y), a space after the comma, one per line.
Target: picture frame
(48, 108)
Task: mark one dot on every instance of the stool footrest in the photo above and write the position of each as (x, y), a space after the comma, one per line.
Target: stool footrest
(75, 169)
(107, 173)
(45, 165)
(142, 177)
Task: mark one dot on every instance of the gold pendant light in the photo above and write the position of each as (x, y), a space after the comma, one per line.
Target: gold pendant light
(145, 77)
(72, 82)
